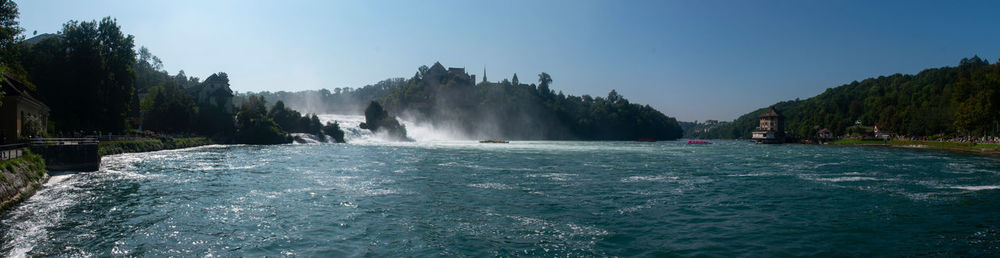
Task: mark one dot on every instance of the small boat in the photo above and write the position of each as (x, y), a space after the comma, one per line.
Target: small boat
(699, 142)
(494, 141)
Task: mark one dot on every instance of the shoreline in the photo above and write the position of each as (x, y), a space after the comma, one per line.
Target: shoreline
(21, 171)
(20, 178)
(149, 144)
(973, 148)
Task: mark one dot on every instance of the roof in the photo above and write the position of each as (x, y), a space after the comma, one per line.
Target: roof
(14, 87)
(39, 38)
(771, 112)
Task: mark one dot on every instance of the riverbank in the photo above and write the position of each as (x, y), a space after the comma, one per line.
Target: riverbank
(150, 144)
(19, 179)
(934, 145)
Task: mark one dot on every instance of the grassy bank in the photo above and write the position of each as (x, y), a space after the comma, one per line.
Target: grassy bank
(150, 144)
(19, 178)
(952, 146)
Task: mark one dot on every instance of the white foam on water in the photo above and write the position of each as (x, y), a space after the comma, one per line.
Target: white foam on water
(306, 138)
(553, 176)
(420, 132)
(30, 221)
(753, 174)
(977, 187)
(660, 178)
(846, 179)
(426, 135)
(493, 186)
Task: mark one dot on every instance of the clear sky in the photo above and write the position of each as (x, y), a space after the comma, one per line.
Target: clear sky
(694, 60)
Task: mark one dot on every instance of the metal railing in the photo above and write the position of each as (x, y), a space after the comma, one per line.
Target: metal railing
(62, 141)
(11, 151)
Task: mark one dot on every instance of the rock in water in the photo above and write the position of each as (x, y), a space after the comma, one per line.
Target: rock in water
(378, 120)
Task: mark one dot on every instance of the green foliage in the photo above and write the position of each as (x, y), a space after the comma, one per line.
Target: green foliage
(215, 105)
(28, 161)
(294, 122)
(339, 100)
(189, 142)
(86, 74)
(128, 146)
(379, 120)
(10, 30)
(938, 101)
(168, 109)
(333, 130)
(518, 111)
(255, 126)
(170, 103)
(149, 144)
(19, 178)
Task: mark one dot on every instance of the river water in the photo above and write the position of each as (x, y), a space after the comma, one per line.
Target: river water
(463, 198)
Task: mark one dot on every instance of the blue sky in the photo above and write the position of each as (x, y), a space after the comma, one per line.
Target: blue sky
(694, 60)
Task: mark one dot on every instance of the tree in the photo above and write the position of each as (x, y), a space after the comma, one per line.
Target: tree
(377, 119)
(614, 97)
(118, 52)
(936, 102)
(518, 111)
(255, 127)
(544, 79)
(286, 118)
(333, 130)
(422, 70)
(166, 108)
(543, 85)
(86, 74)
(10, 30)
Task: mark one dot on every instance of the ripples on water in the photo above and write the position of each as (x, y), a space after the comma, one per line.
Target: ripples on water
(522, 198)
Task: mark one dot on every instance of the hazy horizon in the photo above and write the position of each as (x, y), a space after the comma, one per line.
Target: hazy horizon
(690, 60)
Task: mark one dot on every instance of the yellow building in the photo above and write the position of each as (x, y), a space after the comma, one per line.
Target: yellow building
(22, 114)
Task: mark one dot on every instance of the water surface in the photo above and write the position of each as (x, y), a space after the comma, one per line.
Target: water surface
(445, 198)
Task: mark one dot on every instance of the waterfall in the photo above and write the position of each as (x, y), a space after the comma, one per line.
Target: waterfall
(421, 132)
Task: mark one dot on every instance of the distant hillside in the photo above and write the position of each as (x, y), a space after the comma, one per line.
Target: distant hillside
(338, 101)
(946, 101)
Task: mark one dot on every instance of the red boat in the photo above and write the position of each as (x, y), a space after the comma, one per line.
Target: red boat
(698, 142)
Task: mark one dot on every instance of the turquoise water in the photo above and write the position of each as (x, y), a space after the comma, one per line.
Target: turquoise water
(450, 198)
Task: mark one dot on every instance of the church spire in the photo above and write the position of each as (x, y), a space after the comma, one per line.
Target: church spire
(484, 74)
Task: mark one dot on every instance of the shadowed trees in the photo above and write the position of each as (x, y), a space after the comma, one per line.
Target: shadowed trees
(87, 75)
(517, 111)
(378, 120)
(168, 109)
(254, 126)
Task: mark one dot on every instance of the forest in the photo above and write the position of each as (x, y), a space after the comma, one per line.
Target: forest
(510, 109)
(95, 82)
(450, 100)
(938, 102)
(342, 100)
(107, 85)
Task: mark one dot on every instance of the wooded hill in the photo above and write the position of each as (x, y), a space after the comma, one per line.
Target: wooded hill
(449, 98)
(946, 101)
